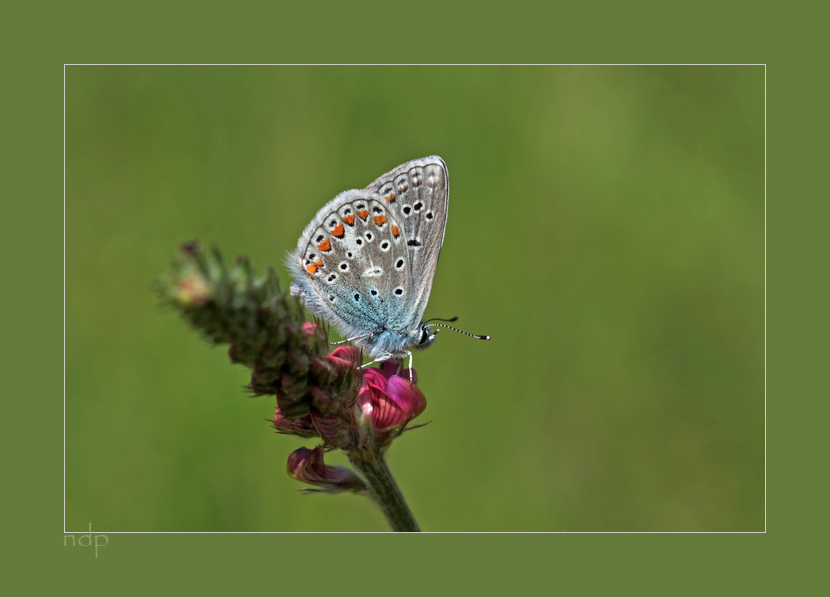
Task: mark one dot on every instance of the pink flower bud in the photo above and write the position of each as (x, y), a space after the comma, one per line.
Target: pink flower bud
(345, 357)
(389, 400)
(307, 466)
(304, 426)
(310, 328)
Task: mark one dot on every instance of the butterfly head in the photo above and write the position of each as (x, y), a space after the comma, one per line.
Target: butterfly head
(425, 336)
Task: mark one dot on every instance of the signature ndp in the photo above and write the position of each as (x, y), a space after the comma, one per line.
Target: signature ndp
(89, 537)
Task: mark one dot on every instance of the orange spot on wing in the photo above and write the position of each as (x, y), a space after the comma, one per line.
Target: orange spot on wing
(312, 268)
(390, 197)
(363, 213)
(379, 220)
(319, 263)
(325, 245)
(395, 232)
(338, 231)
(349, 219)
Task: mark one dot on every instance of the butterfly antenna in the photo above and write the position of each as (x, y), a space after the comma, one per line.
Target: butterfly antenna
(476, 336)
(439, 319)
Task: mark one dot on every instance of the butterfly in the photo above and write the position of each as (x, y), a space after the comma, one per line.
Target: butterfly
(366, 261)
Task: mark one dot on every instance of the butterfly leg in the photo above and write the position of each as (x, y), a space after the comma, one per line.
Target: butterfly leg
(385, 357)
(348, 340)
(410, 366)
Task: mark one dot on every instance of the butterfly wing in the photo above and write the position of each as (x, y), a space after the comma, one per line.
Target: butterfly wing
(351, 265)
(417, 194)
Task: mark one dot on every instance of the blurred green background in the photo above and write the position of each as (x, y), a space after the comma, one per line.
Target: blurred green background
(606, 227)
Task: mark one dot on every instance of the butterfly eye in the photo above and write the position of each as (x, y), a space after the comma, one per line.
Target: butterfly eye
(418, 206)
(384, 246)
(398, 291)
(374, 292)
(429, 215)
(406, 210)
(399, 264)
(344, 266)
(369, 236)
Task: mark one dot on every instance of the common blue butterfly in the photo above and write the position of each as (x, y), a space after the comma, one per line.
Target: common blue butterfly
(366, 261)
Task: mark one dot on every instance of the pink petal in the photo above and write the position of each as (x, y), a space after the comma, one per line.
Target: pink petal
(386, 414)
(375, 378)
(408, 397)
(347, 354)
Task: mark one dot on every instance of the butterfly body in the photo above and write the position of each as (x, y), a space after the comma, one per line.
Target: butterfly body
(366, 261)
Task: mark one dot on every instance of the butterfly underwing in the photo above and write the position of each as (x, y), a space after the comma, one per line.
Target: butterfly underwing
(366, 261)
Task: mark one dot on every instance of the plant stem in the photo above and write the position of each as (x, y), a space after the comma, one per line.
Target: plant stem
(384, 490)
